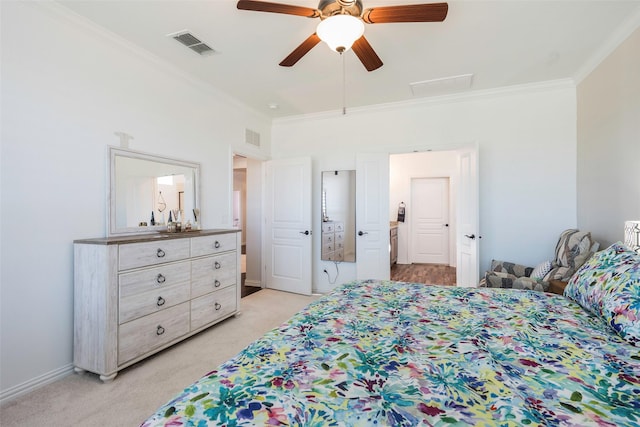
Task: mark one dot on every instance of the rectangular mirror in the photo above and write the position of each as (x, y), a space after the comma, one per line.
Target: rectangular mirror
(146, 191)
(339, 216)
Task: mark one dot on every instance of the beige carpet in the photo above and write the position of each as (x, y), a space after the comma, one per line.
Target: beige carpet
(82, 400)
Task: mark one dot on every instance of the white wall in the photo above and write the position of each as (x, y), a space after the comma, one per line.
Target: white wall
(527, 154)
(609, 144)
(405, 167)
(66, 89)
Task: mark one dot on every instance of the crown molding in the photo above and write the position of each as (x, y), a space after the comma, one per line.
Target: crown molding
(631, 24)
(550, 85)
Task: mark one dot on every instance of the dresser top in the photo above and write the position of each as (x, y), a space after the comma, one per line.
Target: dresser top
(150, 237)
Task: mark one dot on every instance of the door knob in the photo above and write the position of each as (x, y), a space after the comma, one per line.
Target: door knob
(305, 232)
(446, 225)
(473, 236)
(362, 233)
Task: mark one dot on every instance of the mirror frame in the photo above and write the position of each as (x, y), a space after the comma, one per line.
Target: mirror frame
(112, 227)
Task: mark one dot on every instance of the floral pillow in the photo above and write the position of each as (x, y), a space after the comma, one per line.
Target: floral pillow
(608, 285)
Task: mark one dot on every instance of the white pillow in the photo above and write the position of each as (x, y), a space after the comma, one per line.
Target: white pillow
(541, 270)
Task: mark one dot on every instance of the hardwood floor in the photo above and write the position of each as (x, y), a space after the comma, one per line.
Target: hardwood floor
(437, 274)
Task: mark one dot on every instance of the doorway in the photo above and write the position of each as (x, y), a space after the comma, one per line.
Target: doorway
(428, 242)
(247, 210)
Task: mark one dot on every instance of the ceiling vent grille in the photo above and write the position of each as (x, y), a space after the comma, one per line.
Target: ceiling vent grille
(441, 86)
(192, 42)
(252, 137)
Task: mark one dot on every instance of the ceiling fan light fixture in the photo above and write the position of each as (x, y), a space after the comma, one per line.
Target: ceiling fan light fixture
(339, 32)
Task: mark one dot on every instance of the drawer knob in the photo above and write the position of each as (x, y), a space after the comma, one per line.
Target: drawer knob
(160, 302)
(160, 253)
(217, 283)
(217, 265)
(216, 244)
(160, 278)
(159, 330)
(218, 306)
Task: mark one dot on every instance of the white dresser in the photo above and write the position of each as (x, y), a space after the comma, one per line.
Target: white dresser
(136, 295)
(332, 241)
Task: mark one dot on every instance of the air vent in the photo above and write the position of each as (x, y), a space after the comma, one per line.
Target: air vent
(441, 86)
(252, 137)
(192, 42)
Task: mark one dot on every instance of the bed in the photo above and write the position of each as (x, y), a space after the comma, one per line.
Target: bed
(405, 354)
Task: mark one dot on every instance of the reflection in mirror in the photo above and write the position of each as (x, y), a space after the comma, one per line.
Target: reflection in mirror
(339, 216)
(147, 192)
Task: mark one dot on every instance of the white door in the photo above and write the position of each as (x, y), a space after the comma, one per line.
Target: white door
(288, 225)
(429, 218)
(467, 272)
(372, 216)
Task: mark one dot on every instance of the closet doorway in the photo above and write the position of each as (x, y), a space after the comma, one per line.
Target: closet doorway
(247, 211)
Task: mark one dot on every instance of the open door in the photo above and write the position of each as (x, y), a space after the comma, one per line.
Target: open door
(372, 216)
(288, 225)
(467, 272)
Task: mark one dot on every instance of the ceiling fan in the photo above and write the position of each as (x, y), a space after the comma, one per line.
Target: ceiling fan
(342, 24)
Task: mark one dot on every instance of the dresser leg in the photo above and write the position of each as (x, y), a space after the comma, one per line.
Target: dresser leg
(78, 371)
(108, 378)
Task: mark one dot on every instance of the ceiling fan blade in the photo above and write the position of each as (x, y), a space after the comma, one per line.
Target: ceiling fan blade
(300, 51)
(433, 12)
(367, 55)
(265, 6)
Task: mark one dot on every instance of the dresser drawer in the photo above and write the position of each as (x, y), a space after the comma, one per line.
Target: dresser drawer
(328, 227)
(329, 247)
(339, 236)
(212, 273)
(144, 303)
(135, 255)
(339, 226)
(142, 335)
(213, 306)
(328, 238)
(337, 255)
(208, 245)
(158, 277)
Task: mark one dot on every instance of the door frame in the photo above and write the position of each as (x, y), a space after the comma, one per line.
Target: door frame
(456, 148)
(260, 232)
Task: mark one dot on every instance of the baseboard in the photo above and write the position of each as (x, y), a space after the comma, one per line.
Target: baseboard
(35, 383)
(255, 283)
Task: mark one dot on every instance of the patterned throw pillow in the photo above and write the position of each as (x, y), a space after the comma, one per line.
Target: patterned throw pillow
(574, 247)
(541, 270)
(608, 285)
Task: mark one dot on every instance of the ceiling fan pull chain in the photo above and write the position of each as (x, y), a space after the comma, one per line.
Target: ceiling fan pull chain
(344, 85)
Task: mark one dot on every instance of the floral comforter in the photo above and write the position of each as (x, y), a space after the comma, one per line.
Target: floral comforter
(380, 353)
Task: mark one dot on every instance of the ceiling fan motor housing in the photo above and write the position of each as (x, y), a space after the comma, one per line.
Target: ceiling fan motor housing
(336, 7)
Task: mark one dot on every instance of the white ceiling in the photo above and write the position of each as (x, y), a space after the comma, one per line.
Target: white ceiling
(502, 43)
